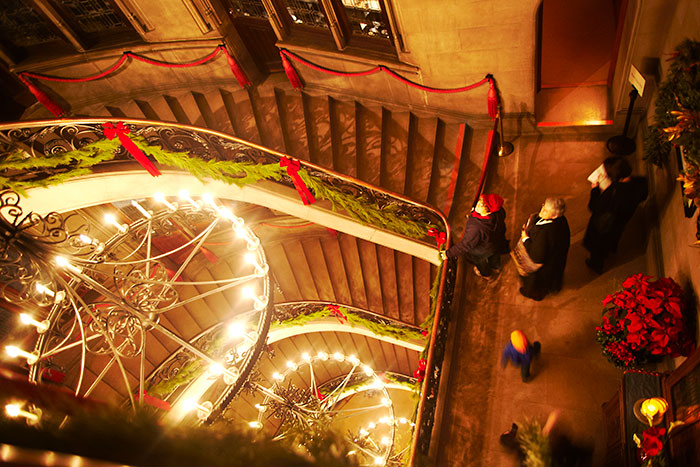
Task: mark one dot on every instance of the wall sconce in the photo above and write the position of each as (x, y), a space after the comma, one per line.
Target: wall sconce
(650, 410)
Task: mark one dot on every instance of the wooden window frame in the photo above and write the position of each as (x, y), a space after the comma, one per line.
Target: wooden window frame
(339, 37)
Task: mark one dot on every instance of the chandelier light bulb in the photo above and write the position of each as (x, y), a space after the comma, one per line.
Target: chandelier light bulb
(251, 258)
(338, 356)
(367, 370)
(237, 329)
(85, 240)
(215, 369)
(227, 214)
(403, 420)
(189, 404)
(259, 303)
(14, 351)
(306, 357)
(385, 440)
(386, 401)
(277, 376)
(141, 209)
(378, 461)
(64, 263)
(185, 196)
(42, 289)
(372, 426)
(110, 219)
(260, 407)
(323, 356)
(353, 359)
(14, 410)
(231, 375)
(363, 432)
(255, 424)
(203, 409)
(160, 197)
(41, 326)
(291, 365)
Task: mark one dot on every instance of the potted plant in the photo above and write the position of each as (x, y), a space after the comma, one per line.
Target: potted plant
(643, 322)
(677, 119)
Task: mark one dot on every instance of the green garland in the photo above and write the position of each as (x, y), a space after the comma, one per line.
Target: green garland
(78, 162)
(534, 445)
(141, 439)
(187, 373)
(677, 114)
(75, 163)
(354, 319)
(427, 325)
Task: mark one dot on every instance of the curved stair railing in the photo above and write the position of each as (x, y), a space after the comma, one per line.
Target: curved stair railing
(33, 155)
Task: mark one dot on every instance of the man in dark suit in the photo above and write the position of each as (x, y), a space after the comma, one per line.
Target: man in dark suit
(611, 209)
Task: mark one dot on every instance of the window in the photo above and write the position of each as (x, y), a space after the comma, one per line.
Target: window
(354, 26)
(42, 28)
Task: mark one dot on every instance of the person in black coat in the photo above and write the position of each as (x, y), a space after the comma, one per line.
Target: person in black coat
(546, 238)
(611, 209)
(484, 238)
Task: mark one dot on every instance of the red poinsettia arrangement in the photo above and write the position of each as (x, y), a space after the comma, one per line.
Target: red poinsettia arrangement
(644, 320)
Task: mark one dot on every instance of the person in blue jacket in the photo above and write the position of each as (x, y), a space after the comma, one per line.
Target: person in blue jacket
(520, 352)
(484, 239)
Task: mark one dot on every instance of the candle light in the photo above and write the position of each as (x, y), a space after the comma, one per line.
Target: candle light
(14, 351)
(64, 263)
(185, 196)
(160, 197)
(14, 410)
(141, 209)
(110, 219)
(41, 326)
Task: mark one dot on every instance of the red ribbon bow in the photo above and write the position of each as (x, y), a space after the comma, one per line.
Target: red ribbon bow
(319, 395)
(440, 237)
(121, 131)
(419, 374)
(335, 311)
(293, 167)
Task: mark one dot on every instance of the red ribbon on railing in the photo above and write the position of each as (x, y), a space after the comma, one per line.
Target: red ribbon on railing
(419, 374)
(293, 167)
(291, 73)
(440, 237)
(492, 100)
(296, 81)
(335, 311)
(154, 401)
(121, 131)
(319, 395)
(55, 109)
(42, 97)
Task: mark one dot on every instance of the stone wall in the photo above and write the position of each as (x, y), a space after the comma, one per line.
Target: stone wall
(673, 234)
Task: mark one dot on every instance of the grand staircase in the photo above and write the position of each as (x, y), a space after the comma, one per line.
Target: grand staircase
(434, 159)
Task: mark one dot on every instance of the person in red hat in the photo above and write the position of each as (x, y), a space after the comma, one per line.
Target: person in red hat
(520, 352)
(484, 239)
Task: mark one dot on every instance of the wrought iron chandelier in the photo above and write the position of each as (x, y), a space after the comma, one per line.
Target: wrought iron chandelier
(104, 300)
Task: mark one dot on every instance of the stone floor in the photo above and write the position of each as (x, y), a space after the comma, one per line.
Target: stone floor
(571, 375)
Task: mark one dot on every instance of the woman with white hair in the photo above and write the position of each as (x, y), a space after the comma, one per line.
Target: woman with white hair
(546, 238)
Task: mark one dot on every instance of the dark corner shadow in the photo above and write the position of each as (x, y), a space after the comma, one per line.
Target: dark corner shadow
(691, 308)
(567, 452)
